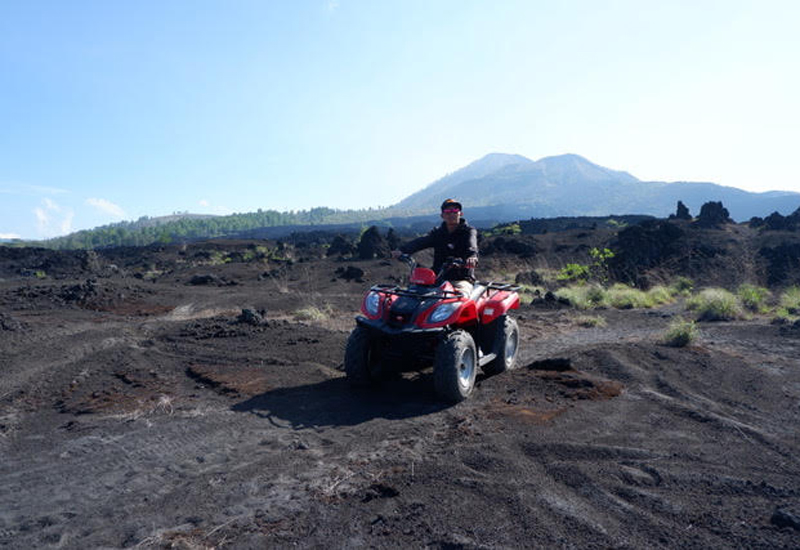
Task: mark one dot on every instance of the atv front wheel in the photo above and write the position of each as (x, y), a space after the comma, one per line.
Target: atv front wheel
(455, 366)
(359, 358)
(506, 345)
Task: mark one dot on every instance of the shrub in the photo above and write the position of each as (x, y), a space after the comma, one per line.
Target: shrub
(790, 300)
(659, 295)
(506, 229)
(680, 333)
(753, 298)
(531, 291)
(600, 265)
(590, 321)
(217, 257)
(782, 314)
(625, 297)
(619, 296)
(313, 313)
(682, 286)
(616, 224)
(715, 304)
(573, 272)
(584, 296)
(597, 295)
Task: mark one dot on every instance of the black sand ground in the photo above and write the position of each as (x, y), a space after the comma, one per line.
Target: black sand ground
(138, 410)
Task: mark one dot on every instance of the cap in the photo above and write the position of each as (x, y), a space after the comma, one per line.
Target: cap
(451, 203)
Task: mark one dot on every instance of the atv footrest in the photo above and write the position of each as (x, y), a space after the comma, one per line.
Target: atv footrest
(486, 359)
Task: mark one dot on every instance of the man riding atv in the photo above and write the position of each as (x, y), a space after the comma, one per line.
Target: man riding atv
(454, 238)
(443, 318)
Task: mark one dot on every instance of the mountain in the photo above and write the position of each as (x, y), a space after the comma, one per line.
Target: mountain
(506, 186)
(495, 189)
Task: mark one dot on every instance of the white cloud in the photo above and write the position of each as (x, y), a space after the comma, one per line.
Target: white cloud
(50, 204)
(46, 190)
(333, 5)
(107, 207)
(41, 217)
(210, 208)
(52, 219)
(10, 236)
(13, 188)
(66, 222)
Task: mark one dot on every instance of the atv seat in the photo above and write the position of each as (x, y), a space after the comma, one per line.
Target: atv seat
(477, 290)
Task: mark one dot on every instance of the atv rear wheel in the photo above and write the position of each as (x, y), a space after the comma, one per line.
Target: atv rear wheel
(360, 358)
(455, 366)
(506, 345)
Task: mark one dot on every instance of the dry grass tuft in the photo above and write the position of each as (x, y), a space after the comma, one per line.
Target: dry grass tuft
(680, 333)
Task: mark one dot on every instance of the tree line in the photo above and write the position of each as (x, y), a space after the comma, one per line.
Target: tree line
(145, 231)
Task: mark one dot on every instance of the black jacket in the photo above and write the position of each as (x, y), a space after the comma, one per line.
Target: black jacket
(461, 243)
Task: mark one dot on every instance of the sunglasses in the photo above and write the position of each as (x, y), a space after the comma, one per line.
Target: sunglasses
(450, 210)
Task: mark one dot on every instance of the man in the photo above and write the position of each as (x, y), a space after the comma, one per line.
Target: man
(453, 239)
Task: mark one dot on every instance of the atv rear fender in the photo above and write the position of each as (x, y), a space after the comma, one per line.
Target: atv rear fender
(498, 304)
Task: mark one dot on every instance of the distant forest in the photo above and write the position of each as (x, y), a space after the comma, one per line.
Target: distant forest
(184, 228)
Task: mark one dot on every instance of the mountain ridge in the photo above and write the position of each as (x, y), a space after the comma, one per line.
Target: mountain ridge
(571, 185)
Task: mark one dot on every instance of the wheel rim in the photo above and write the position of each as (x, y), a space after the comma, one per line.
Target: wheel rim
(511, 346)
(466, 369)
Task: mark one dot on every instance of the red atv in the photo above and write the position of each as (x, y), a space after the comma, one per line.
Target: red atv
(429, 322)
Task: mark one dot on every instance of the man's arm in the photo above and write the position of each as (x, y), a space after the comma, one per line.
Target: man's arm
(472, 248)
(415, 245)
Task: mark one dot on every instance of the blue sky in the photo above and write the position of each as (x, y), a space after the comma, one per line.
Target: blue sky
(112, 110)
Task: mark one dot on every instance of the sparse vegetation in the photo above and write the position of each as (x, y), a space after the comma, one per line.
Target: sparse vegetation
(682, 286)
(590, 321)
(789, 304)
(600, 266)
(581, 273)
(531, 291)
(217, 257)
(257, 253)
(790, 300)
(505, 229)
(584, 296)
(660, 295)
(314, 313)
(616, 224)
(619, 296)
(625, 297)
(152, 273)
(573, 272)
(754, 298)
(715, 304)
(680, 333)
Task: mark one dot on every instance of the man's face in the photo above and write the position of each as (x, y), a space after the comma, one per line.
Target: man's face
(451, 215)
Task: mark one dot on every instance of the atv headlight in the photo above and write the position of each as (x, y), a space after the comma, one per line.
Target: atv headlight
(443, 312)
(373, 303)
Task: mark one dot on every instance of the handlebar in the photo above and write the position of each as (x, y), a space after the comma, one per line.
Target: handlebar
(408, 259)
